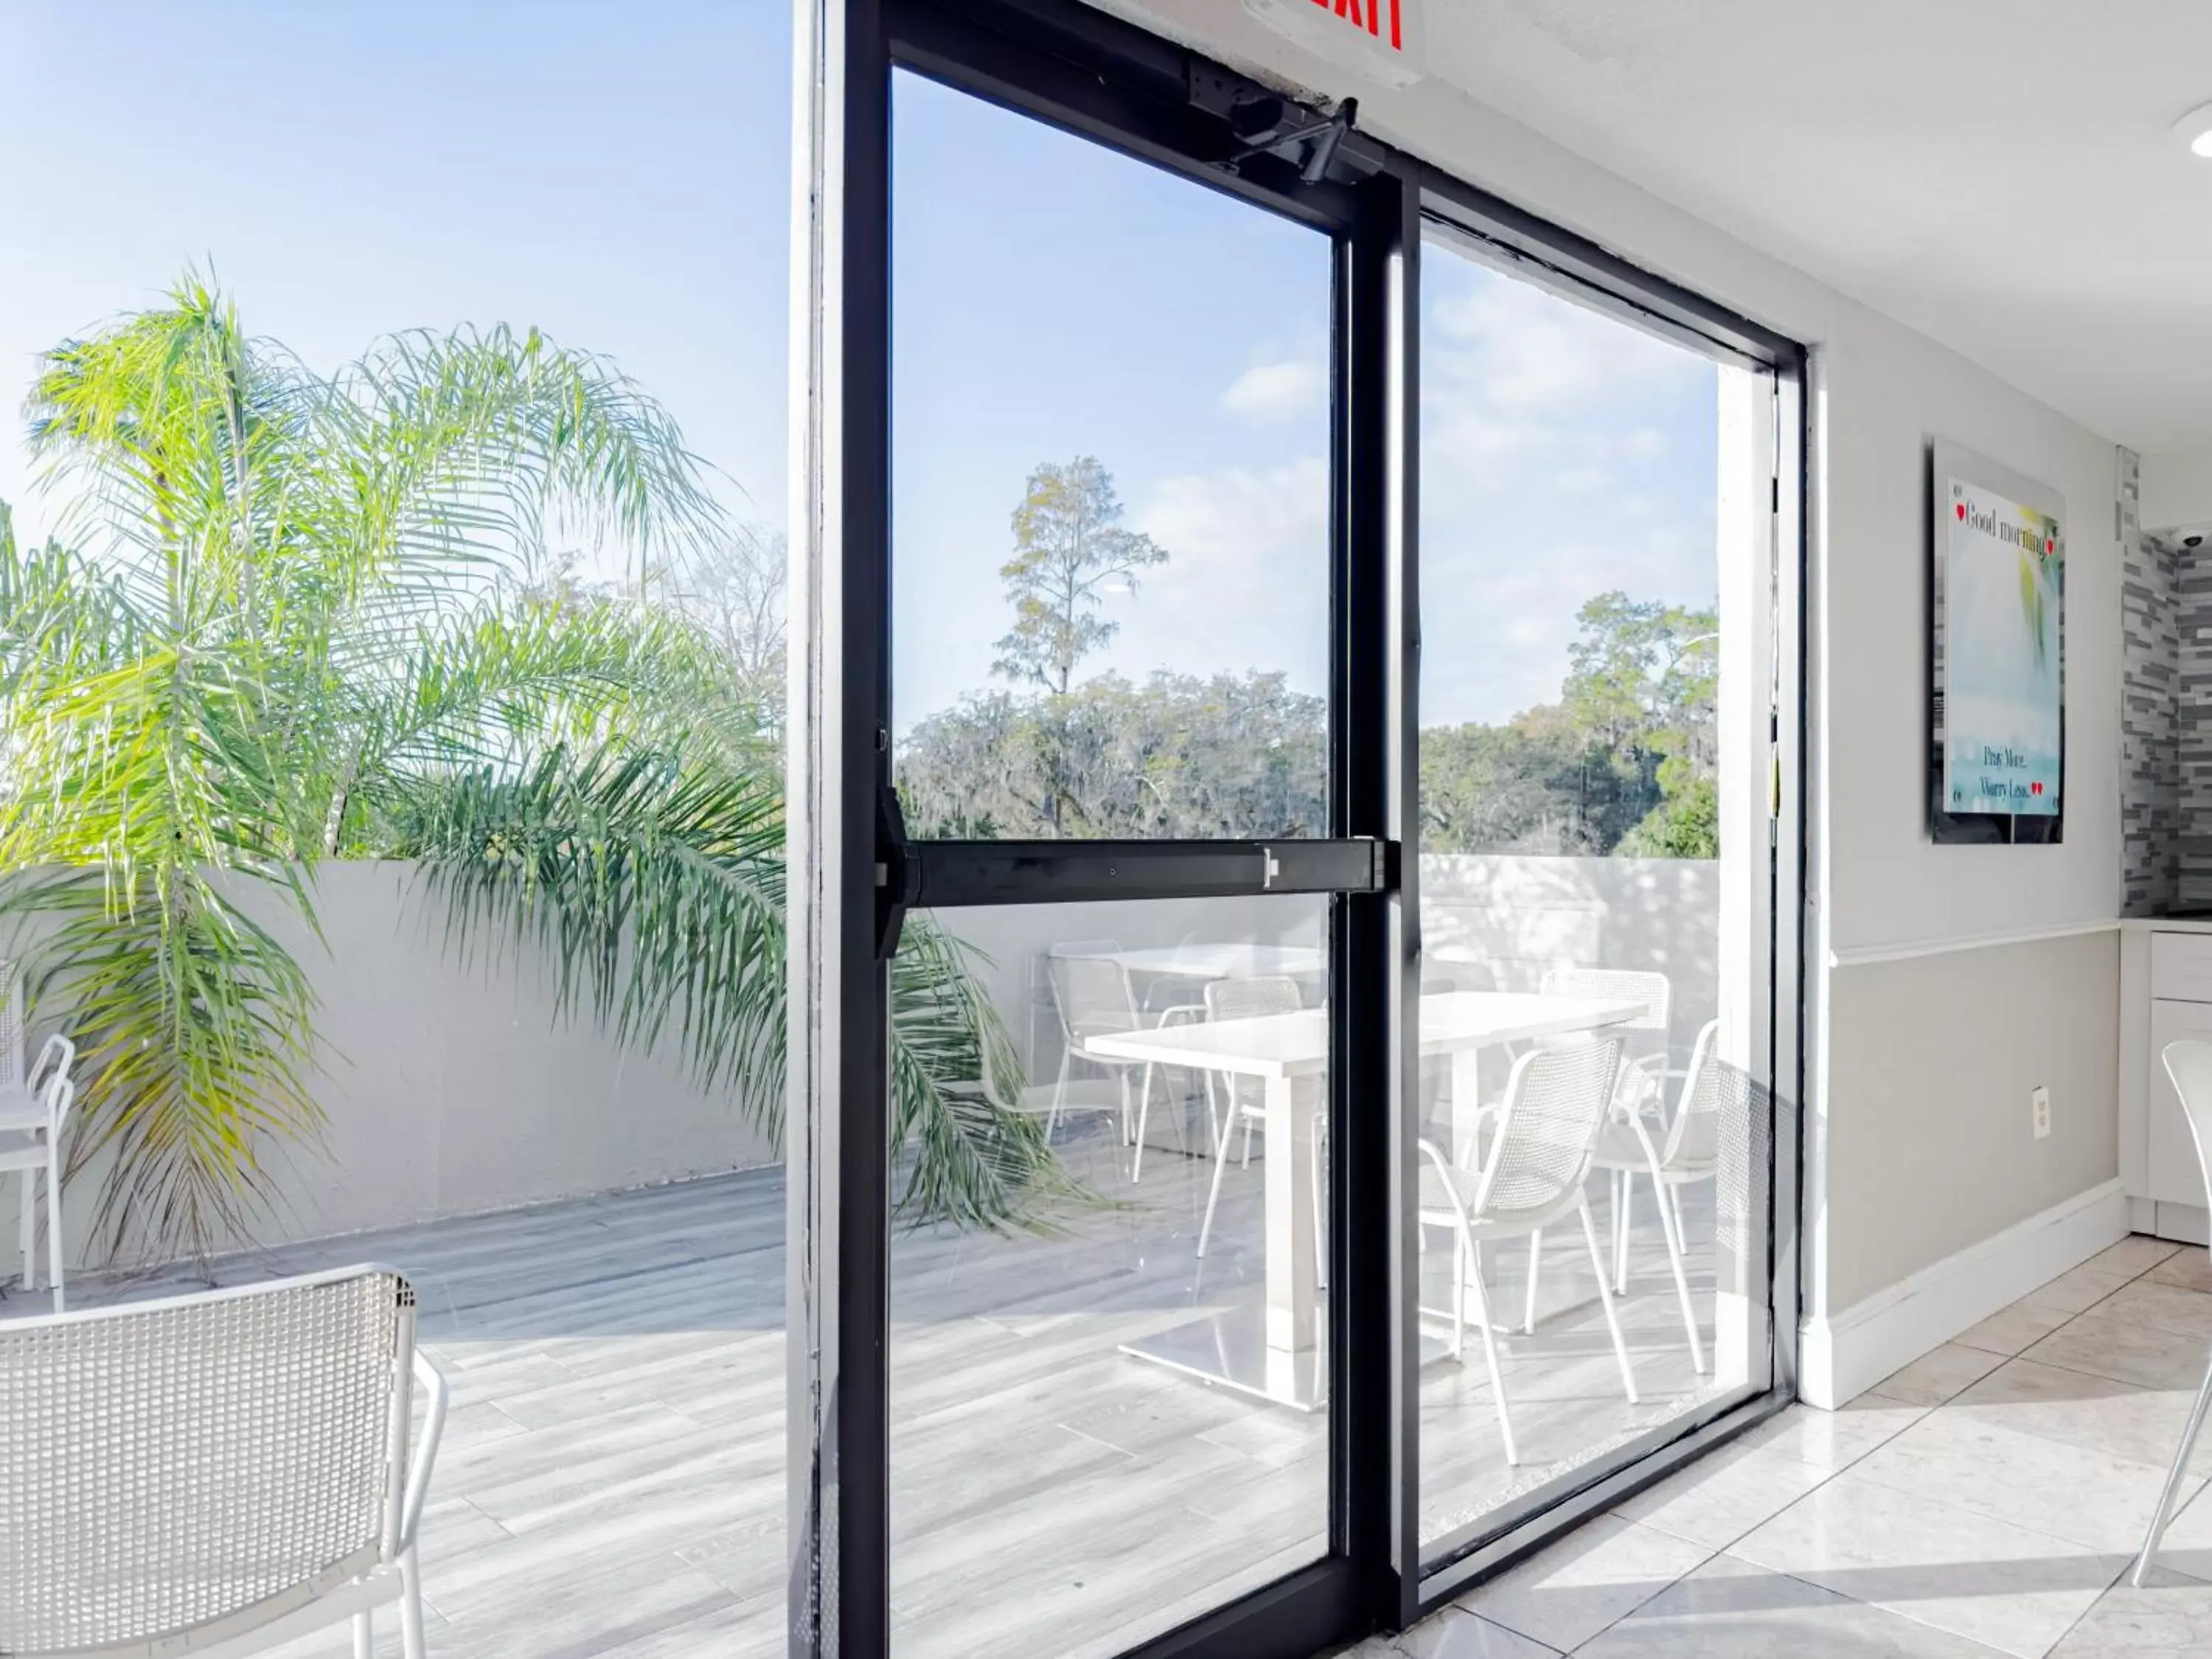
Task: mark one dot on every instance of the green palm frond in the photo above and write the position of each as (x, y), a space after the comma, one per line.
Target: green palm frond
(658, 888)
(307, 616)
(655, 889)
(966, 1159)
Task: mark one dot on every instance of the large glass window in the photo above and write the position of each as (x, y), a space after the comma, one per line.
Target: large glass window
(1595, 772)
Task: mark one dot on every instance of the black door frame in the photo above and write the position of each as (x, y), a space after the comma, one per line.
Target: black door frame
(854, 873)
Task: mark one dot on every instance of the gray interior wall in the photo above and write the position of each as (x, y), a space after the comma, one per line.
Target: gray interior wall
(1945, 1050)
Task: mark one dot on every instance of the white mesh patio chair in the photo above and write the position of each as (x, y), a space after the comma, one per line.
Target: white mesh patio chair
(1672, 1152)
(1092, 993)
(35, 1107)
(215, 1474)
(1531, 1175)
(1643, 1074)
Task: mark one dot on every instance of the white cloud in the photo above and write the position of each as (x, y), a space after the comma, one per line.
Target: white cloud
(1555, 450)
(1512, 375)
(1499, 604)
(1277, 391)
(1539, 354)
(1246, 584)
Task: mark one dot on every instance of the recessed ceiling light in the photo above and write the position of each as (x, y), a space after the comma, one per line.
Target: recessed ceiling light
(2194, 130)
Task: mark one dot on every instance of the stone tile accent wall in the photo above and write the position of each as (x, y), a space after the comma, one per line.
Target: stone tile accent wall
(2165, 712)
(2192, 587)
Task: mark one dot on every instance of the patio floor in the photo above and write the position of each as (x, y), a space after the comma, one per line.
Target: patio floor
(611, 1482)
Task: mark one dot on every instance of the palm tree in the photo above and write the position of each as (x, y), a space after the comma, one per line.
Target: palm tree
(297, 616)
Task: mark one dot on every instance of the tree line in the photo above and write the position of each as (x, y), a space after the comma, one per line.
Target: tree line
(1623, 763)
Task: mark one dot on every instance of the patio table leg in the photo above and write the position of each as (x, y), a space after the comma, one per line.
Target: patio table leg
(1289, 1182)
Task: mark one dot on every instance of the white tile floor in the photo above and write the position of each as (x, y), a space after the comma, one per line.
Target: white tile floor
(1984, 1500)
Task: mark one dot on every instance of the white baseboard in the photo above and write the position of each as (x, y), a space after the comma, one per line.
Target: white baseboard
(1849, 1352)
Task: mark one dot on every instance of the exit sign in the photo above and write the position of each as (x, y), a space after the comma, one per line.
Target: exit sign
(1378, 39)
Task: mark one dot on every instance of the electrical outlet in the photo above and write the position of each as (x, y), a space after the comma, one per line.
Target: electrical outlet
(2040, 1103)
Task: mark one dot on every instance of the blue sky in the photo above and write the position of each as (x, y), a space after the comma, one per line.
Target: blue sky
(618, 174)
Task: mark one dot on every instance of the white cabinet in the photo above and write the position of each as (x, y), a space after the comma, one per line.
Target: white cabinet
(2181, 966)
(2166, 995)
(2170, 1175)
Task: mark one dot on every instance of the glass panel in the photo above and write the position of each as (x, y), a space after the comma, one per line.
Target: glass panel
(423, 609)
(1106, 1322)
(1595, 990)
(1111, 521)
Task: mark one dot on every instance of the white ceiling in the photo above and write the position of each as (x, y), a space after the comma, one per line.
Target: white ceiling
(1998, 173)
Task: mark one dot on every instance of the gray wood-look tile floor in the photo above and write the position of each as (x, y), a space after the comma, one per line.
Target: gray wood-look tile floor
(611, 1483)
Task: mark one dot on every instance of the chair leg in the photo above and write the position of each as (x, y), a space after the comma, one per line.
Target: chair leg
(1320, 1210)
(1144, 1116)
(1673, 1195)
(410, 1606)
(1670, 1223)
(1605, 1299)
(1214, 1192)
(2174, 1480)
(364, 1636)
(1623, 1226)
(1059, 1090)
(54, 1223)
(27, 1190)
(1459, 1299)
(1490, 1356)
(1614, 1179)
(1528, 1304)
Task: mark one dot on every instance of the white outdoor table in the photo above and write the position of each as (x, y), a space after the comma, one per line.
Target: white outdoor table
(1281, 1049)
(1193, 960)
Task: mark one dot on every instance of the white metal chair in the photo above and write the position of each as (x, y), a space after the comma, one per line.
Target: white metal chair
(1643, 1074)
(1092, 995)
(2190, 1066)
(215, 1474)
(34, 1106)
(1532, 1175)
(1687, 1148)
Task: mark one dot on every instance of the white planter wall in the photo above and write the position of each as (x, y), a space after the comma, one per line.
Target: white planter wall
(450, 1087)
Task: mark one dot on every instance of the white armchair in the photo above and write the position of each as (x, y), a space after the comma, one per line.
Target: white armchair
(35, 1107)
(215, 1474)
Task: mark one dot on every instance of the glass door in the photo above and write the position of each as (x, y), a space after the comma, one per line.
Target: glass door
(1285, 1021)
(1111, 625)
(1596, 852)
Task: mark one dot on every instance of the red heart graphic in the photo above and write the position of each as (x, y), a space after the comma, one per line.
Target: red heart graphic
(2035, 788)
(1962, 512)
(2049, 545)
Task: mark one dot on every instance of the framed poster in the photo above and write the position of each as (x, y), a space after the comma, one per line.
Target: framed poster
(1998, 651)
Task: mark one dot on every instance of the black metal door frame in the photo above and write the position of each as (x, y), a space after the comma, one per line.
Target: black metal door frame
(854, 873)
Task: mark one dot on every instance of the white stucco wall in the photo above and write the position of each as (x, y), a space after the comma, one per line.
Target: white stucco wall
(450, 1086)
